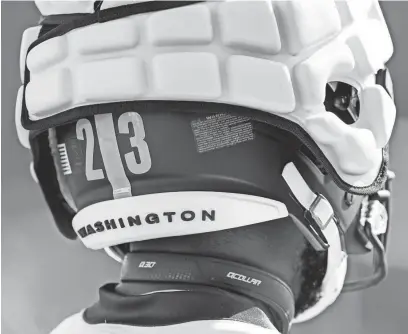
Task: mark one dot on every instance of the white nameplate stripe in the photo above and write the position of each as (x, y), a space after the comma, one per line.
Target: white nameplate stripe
(170, 214)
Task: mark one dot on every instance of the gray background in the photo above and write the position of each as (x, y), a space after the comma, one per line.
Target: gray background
(46, 278)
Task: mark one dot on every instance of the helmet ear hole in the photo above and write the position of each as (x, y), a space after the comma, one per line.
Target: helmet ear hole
(342, 100)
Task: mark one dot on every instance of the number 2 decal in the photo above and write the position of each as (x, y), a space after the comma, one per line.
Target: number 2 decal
(84, 126)
(126, 121)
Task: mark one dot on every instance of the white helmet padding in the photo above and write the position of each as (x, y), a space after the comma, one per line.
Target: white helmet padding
(68, 60)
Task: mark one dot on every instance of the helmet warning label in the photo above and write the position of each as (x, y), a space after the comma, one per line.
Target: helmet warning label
(221, 130)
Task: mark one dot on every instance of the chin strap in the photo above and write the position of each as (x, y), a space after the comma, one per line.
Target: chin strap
(373, 232)
(373, 229)
(321, 230)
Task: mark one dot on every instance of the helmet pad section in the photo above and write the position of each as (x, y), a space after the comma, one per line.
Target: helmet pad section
(309, 64)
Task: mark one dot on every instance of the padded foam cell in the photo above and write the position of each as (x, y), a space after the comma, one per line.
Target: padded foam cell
(371, 46)
(378, 114)
(29, 36)
(101, 38)
(49, 93)
(122, 79)
(177, 73)
(261, 83)
(249, 25)
(307, 22)
(185, 25)
(52, 7)
(52, 51)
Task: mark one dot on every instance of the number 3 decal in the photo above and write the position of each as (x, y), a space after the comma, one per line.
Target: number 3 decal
(84, 129)
(137, 141)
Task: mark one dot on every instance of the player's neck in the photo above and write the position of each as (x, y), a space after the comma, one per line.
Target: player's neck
(178, 302)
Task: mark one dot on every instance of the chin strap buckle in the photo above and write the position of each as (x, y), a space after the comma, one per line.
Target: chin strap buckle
(318, 210)
(318, 216)
(321, 211)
